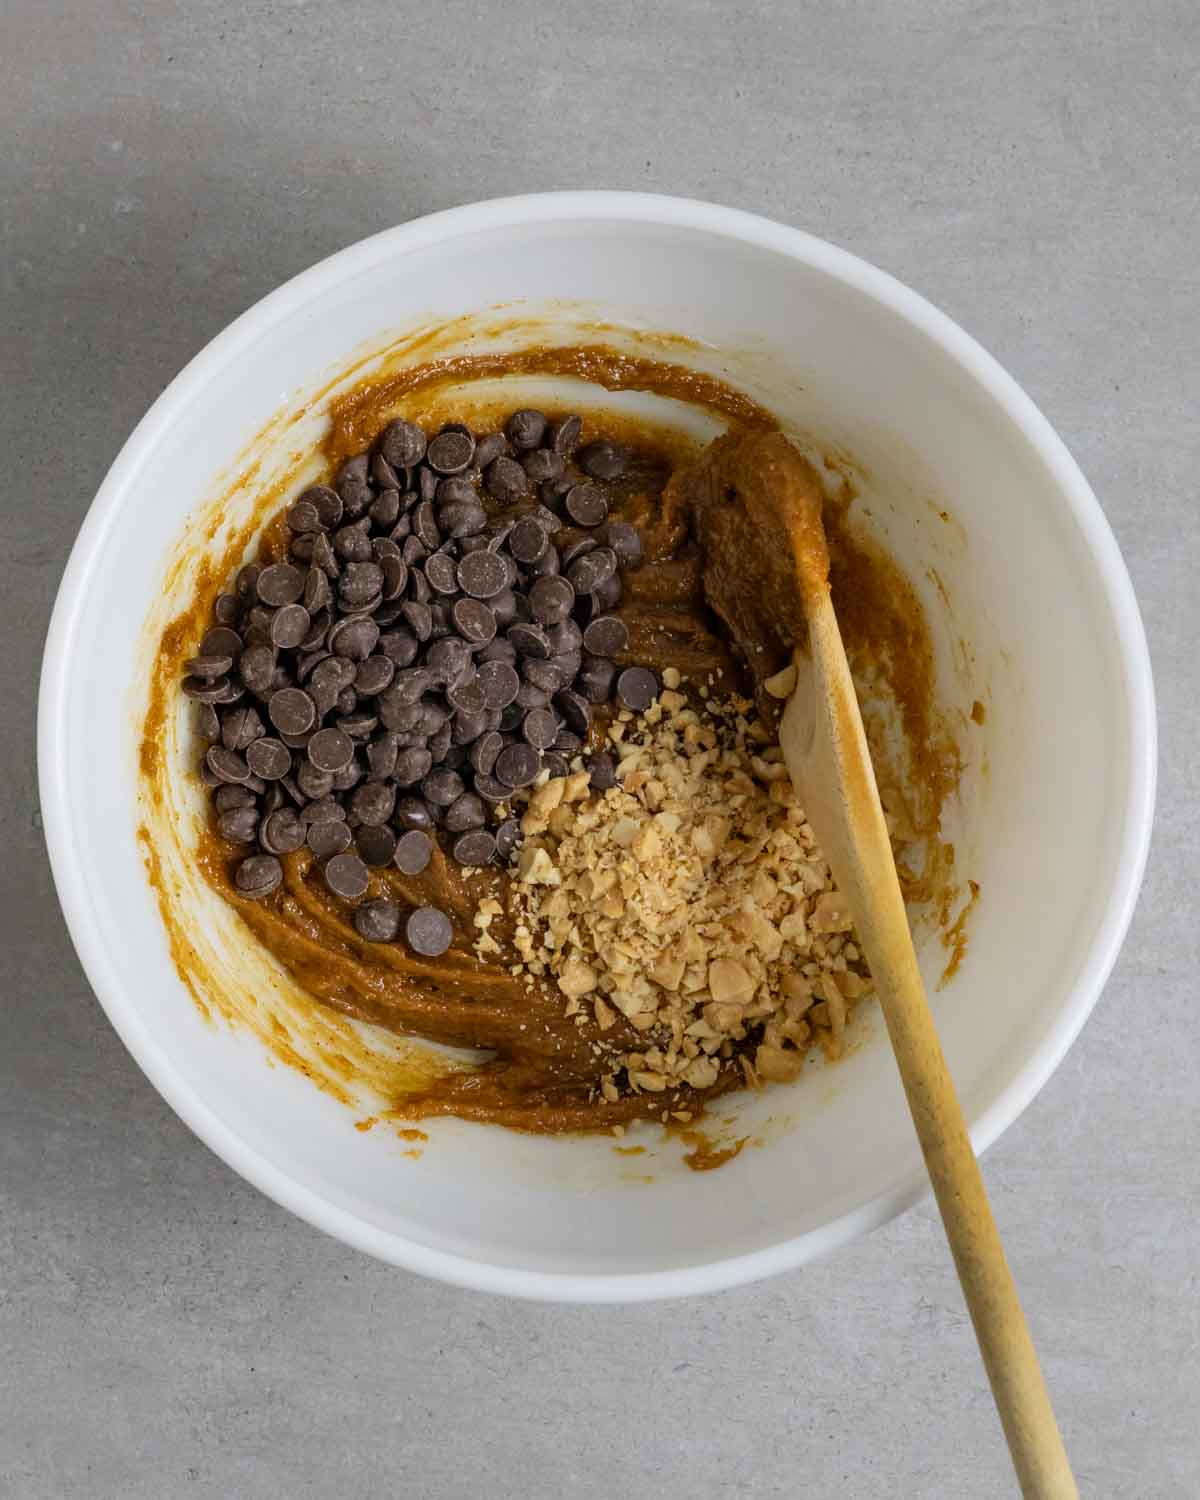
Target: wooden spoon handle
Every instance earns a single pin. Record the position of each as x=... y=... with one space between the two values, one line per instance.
x=826 y=751
x=1008 y=1354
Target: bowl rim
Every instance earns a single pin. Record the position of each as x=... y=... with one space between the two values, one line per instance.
x=664 y=211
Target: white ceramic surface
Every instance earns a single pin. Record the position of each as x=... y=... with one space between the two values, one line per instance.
x=1040 y=623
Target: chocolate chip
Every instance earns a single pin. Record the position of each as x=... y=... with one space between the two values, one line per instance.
x=206 y=724
x=602 y=770
x=591 y=570
x=577 y=548
x=485 y=750
x=281 y=583
x=258 y=876
x=551 y=600
x=625 y=542
x=377 y=921
x=418 y=618
x=317 y=593
x=565 y=639
x=292 y=711
x=427 y=483
x=399 y=646
x=499 y=650
x=247 y=578
x=428 y=931
x=586 y=505
x=568 y=742
x=482 y=575
x=595 y=679
x=543 y=465
x=343 y=781
x=282 y=832
x=328 y=837
x=530 y=640
x=528 y=541
x=346 y=876
x=240 y=727
x=462 y=522
x=467 y=727
x=323 y=556
x=442 y=573
x=351 y=478
x=491 y=790
x=425 y=527
x=385 y=509
x=374 y=676
x=256 y=667
x=373 y=803
x=412 y=812
x=376 y=844
x=526 y=428
x=508 y=836
x=228 y=796
x=637 y=688
x=564 y=436
x=606 y=635
x=311 y=782
x=451 y=452
x=529 y=696
x=442 y=787
x=395 y=577
x=517 y=765
x=504 y=607
x=227 y=765
x=603 y=460
x=412 y=765
x=576 y=711
x=402 y=444
x=381 y=757
x=354 y=638
x=464 y=813
x=361 y=580
x=324 y=809
x=540 y=728
x=227 y=609
x=468 y=695
x=447 y=660
x=490 y=446
x=505 y=480
x=473 y=620
x=475 y=848
x=289 y=626
x=384 y=474
x=358 y=726
x=239 y=825
x=209 y=667
x=268 y=758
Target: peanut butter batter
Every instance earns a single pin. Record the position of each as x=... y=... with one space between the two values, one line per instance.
x=544 y=1069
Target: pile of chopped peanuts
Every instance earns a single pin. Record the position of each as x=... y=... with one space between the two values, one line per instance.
x=691 y=899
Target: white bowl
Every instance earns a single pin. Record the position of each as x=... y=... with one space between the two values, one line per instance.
x=1057 y=797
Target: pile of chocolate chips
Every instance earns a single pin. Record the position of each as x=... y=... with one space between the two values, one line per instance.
x=440 y=636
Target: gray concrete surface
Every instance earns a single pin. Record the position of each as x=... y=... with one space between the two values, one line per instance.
x=167 y=1332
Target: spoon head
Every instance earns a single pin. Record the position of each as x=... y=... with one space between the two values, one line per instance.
x=757 y=507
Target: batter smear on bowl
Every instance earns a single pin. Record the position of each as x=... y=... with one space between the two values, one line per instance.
x=485 y=769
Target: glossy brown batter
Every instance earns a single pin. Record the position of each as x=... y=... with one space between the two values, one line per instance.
x=545 y=1067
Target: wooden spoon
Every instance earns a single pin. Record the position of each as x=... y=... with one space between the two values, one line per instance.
x=779 y=499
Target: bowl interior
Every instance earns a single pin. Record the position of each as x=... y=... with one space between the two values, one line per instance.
x=969 y=501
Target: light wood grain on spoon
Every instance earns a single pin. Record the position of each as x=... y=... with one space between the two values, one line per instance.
x=826 y=751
